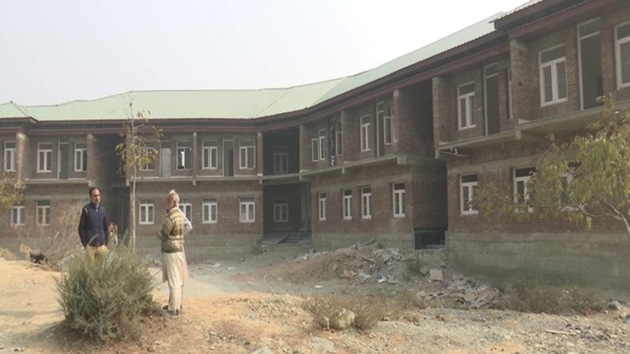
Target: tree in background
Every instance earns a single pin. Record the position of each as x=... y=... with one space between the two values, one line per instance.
x=578 y=181
x=10 y=191
x=139 y=149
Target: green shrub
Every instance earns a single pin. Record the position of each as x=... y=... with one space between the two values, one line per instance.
x=106 y=299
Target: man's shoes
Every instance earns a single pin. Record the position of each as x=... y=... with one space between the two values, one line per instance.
x=179 y=312
x=170 y=314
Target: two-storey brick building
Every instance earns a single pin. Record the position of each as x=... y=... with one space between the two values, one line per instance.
x=394 y=153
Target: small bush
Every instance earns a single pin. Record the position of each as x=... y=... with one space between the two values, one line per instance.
x=7 y=255
x=531 y=296
x=107 y=299
x=368 y=311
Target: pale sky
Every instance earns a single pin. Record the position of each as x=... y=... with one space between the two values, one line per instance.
x=55 y=51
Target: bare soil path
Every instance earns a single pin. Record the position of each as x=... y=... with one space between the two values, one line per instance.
x=255 y=306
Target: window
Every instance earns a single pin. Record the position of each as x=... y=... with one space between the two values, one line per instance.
x=387 y=126
x=521 y=193
x=398 y=195
x=280 y=159
x=365 y=133
x=321 y=210
x=186 y=207
x=210 y=210
x=468 y=186
x=553 y=76
x=209 y=155
x=280 y=210
x=43 y=212
x=314 y=149
x=338 y=141
x=622 y=54
x=466 y=105
x=247 y=155
x=9 y=156
x=366 y=203
x=17 y=215
x=184 y=156
x=247 y=210
x=80 y=157
x=44 y=157
x=147 y=211
x=151 y=152
x=347 y=204
x=321 y=138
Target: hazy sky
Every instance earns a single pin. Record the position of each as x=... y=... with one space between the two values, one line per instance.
x=58 y=51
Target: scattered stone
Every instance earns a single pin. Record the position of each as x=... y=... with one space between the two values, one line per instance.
x=436 y=275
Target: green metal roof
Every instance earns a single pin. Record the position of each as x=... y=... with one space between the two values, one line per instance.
x=237 y=104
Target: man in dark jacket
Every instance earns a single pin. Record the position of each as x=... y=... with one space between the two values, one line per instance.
x=93 y=226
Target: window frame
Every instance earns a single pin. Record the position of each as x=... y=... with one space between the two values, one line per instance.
x=364 y=133
x=80 y=157
x=388 y=136
x=466 y=101
x=18 y=215
x=9 y=156
x=398 y=200
x=366 y=202
x=183 y=151
x=280 y=159
x=208 y=205
x=185 y=205
x=524 y=180
x=281 y=211
x=321 y=206
x=209 y=155
x=146 y=211
x=554 y=76
x=42 y=214
x=467 y=187
x=346 y=197
x=247 y=210
x=44 y=157
x=619 y=60
x=247 y=155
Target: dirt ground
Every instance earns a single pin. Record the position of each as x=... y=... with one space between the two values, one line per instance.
x=254 y=305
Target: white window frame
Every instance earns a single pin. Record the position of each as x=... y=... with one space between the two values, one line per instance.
x=146 y=211
x=80 y=157
x=366 y=203
x=364 y=134
x=522 y=180
x=44 y=157
x=43 y=212
x=468 y=186
x=185 y=205
x=247 y=208
x=184 y=155
x=210 y=211
x=321 y=143
x=209 y=155
x=556 y=67
x=347 y=204
x=9 y=156
x=18 y=216
x=466 y=105
x=622 y=62
x=387 y=127
x=247 y=155
x=398 y=200
x=281 y=210
x=321 y=206
x=280 y=159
